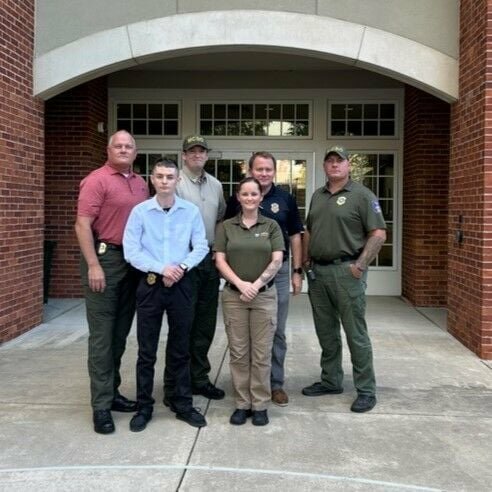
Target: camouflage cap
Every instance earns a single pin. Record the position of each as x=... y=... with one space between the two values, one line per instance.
x=336 y=149
x=193 y=140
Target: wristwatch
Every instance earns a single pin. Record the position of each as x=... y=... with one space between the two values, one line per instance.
x=297 y=270
x=184 y=267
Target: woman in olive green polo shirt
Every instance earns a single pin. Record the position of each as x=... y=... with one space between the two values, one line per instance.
x=249 y=252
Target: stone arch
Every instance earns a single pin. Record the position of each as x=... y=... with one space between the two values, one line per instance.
x=249 y=30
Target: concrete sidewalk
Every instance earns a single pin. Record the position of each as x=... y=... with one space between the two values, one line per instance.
x=431 y=430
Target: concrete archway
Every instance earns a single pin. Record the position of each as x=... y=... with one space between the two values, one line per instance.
x=309 y=35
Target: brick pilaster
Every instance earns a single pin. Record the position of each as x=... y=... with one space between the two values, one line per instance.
x=425 y=198
x=21 y=174
x=73 y=149
x=470 y=193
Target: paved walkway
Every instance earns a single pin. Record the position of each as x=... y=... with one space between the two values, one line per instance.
x=431 y=430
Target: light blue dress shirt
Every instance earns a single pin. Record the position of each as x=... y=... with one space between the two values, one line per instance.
x=154 y=239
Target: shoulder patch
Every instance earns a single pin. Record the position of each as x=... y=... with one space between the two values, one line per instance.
x=376 y=207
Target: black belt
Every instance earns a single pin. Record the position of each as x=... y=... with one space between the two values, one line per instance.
x=336 y=261
x=261 y=289
x=103 y=246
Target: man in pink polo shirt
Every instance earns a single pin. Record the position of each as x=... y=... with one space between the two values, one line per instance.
x=107 y=196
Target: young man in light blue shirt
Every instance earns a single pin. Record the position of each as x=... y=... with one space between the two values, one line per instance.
x=164 y=238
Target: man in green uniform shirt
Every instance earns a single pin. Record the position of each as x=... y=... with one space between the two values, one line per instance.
x=345 y=230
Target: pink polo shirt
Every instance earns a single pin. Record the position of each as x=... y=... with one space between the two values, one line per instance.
x=109 y=197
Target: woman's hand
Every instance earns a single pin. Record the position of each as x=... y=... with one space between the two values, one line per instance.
x=248 y=291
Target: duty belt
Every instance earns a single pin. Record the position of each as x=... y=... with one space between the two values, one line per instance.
x=103 y=246
x=261 y=289
x=336 y=261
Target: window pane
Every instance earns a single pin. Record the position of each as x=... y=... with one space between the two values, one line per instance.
x=238 y=170
x=385 y=187
x=302 y=128
x=387 y=128
x=233 y=128
x=274 y=128
x=124 y=125
x=288 y=128
x=140 y=111
x=247 y=111
x=387 y=209
x=338 y=111
x=371 y=111
x=370 y=182
x=387 y=111
x=386 y=165
x=123 y=111
x=170 y=127
x=354 y=128
x=219 y=128
x=155 y=111
x=139 y=127
x=233 y=111
x=205 y=128
x=288 y=111
x=260 y=111
x=302 y=111
x=139 y=165
x=261 y=128
x=385 y=257
x=354 y=111
x=370 y=128
x=223 y=170
x=274 y=111
x=205 y=111
x=171 y=111
x=338 y=128
x=219 y=111
x=155 y=127
x=247 y=128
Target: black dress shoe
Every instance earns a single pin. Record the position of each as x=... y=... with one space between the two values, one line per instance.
x=260 y=417
x=318 y=389
x=122 y=404
x=192 y=417
x=103 y=422
x=209 y=391
x=363 y=403
x=240 y=416
x=139 y=421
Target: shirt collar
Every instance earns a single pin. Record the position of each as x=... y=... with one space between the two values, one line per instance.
x=347 y=187
x=195 y=179
x=111 y=170
x=236 y=220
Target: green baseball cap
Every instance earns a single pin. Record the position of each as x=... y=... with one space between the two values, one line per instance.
x=336 y=149
x=193 y=140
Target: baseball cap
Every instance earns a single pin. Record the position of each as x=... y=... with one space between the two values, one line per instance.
x=193 y=140
x=336 y=149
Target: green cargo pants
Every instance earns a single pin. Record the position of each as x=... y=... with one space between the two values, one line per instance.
x=336 y=295
x=109 y=316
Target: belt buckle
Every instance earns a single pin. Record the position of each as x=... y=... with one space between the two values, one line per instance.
x=102 y=248
x=151 y=278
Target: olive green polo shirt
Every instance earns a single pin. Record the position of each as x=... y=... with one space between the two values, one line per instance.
x=339 y=223
x=248 y=251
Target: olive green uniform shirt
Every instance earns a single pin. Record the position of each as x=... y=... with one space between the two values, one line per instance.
x=339 y=223
x=248 y=251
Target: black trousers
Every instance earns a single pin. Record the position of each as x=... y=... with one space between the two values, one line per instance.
x=152 y=302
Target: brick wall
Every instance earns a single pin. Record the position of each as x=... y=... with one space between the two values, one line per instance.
x=21 y=175
x=470 y=192
x=425 y=198
x=73 y=149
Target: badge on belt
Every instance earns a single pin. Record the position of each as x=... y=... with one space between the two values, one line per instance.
x=151 y=278
x=102 y=248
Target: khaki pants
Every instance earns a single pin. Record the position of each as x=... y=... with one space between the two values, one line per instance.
x=250 y=327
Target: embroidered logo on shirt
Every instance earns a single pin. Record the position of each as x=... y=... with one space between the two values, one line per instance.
x=341 y=200
x=376 y=207
x=275 y=207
